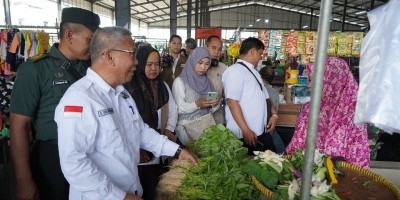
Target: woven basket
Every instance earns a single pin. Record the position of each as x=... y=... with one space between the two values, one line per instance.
x=269 y=194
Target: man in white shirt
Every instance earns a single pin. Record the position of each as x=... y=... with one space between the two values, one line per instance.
x=247 y=111
x=214 y=73
x=100 y=130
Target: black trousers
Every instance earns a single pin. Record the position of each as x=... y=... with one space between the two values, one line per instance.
x=46 y=171
x=149 y=176
x=267 y=144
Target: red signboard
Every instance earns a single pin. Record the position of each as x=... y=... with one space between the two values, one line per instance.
x=205 y=32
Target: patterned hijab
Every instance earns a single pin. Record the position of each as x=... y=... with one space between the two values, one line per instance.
x=337 y=134
x=149 y=95
x=199 y=83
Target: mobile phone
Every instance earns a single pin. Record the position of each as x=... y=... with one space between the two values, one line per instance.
x=212 y=95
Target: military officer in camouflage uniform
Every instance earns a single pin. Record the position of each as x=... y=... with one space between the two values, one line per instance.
x=39 y=86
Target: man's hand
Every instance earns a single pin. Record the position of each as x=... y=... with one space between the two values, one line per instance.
x=26 y=189
x=144 y=156
x=171 y=136
x=130 y=196
x=271 y=124
x=187 y=155
x=249 y=138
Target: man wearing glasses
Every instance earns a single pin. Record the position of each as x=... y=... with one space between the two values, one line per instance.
x=99 y=126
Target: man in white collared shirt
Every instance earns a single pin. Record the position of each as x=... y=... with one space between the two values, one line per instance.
x=100 y=130
x=247 y=111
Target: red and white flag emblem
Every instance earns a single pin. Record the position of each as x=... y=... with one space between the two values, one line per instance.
x=73 y=111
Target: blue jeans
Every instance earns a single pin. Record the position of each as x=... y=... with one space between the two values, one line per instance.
x=278 y=143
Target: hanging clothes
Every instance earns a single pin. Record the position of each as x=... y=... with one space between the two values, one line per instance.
x=17 y=49
x=3 y=48
x=43 y=45
x=28 y=44
x=34 y=43
x=10 y=57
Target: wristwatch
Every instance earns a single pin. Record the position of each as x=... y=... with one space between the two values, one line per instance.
x=178 y=151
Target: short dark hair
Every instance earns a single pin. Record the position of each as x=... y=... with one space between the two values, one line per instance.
x=190 y=43
x=174 y=36
x=265 y=75
x=212 y=37
x=65 y=26
x=250 y=43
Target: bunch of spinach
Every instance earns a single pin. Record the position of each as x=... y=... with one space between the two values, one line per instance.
x=219 y=174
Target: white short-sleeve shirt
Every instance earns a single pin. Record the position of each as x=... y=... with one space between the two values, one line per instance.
x=242 y=86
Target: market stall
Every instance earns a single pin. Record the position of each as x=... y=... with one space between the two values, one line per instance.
x=226 y=172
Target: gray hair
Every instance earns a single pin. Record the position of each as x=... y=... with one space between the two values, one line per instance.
x=106 y=38
x=191 y=43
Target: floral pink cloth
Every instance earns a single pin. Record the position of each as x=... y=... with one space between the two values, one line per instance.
x=337 y=134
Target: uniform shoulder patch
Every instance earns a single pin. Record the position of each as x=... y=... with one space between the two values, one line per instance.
x=38 y=57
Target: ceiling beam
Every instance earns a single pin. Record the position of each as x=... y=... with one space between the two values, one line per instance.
x=236 y=3
x=272 y=6
x=157 y=9
x=104 y=5
x=256 y=29
x=144 y=3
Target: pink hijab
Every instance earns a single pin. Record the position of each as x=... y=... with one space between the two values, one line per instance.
x=337 y=134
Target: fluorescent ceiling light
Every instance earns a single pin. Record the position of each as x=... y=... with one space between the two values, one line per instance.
x=251 y=25
x=305 y=26
x=363 y=27
x=361 y=12
x=258 y=20
x=266 y=20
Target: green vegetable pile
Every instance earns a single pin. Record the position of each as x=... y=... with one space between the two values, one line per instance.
x=219 y=174
x=283 y=176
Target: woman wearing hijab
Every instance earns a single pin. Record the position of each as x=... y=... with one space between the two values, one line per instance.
x=337 y=134
x=158 y=109
x=190 y=91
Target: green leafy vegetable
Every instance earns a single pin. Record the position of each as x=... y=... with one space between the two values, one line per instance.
x=219 y=174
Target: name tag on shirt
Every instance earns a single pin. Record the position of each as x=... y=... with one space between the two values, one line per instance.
x=107 y=111
x=60 y=82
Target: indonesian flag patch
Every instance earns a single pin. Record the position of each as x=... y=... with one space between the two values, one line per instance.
x=73 y=111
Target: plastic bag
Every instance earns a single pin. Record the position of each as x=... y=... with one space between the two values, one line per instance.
x=378 y=94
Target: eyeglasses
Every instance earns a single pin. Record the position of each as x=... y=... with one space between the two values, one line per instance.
x=133 y=53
